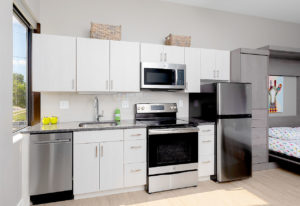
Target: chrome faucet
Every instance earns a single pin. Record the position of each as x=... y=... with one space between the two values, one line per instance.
x=96 y=105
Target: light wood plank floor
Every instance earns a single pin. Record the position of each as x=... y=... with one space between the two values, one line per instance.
x=269 y=187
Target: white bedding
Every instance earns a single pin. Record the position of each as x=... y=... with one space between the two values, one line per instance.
x=287 y=147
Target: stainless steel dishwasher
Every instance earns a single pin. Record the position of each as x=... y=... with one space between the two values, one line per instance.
x=50 y=163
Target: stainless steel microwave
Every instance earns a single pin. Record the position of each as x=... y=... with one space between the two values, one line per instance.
x=162 y=76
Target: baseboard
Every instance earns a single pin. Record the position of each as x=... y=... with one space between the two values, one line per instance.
x=264 y=166
x=110 y=192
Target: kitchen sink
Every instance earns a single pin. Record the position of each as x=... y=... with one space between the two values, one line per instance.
x=97 y=124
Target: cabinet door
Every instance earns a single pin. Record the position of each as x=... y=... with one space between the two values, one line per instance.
x=53 y=63
x=86 y=168
x=255 y=71
x=192 y=61
x=208 y=64
x=151 y=52
x=92 y=65
x=174 y=54
x=223 y=64
x=124 y=66
x=111 y=165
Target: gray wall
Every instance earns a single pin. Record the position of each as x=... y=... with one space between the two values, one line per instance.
x=152 y=20
x=290 y=69
x=289 y=98
x=10 y=170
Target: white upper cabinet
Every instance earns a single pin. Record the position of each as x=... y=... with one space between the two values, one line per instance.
x=92 y=65
x=223 y=64
x=124 y=66
x=152 y=52
x=208 y=64
x=174 y=54
x=53 y=63
x=193 y=66
x=161 y=53
x=215 y=64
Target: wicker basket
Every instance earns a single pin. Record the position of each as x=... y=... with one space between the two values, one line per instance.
x=105 y=31
x=178 y=40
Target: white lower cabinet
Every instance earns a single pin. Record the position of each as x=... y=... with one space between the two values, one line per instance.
x=206 y=165
x=206 y=150
x=104 y=161
x=111 y=165
x=86 y=168
x=135 y=151
x=135 y=174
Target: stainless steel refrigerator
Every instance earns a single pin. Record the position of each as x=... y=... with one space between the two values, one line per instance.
x=229 y=105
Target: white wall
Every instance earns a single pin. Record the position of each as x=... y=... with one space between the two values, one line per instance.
x=10 y=163
x=289 y=98
x=81 y=106
x=152 y=20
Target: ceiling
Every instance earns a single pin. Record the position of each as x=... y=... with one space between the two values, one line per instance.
x=284 y=10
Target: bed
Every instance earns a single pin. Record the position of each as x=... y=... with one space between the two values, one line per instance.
x=284 y=144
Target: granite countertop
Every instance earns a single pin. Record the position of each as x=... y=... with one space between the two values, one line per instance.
x=73 y=126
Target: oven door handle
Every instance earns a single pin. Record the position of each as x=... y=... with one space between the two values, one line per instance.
x=173 y=131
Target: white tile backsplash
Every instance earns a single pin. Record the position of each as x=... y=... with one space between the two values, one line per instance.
x=81 y=106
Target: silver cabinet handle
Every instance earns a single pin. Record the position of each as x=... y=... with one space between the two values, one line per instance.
x=111 y=84
x=206 y=141
x=73 y=83
x=161 y=56
x=136 y=135
x=205 y=162
x=138 y=170
x=106 y=84
x=135 y=147
x=96 y=151
x=165 y=56
x=102 y=152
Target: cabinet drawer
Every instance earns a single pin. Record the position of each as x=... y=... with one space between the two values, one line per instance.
x=206 y=145
x=135 y=151
x=131 y=134
x=98 y=136
x=206 y=165
x=206 y=130
x=135 y=174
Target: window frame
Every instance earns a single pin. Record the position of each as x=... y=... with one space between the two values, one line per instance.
x=17 y=13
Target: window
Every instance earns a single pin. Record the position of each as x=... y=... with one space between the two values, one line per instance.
x=20 y=73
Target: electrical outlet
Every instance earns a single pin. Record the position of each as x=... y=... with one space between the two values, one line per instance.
x=180 y=103
x=64 y=104
x=125 y=104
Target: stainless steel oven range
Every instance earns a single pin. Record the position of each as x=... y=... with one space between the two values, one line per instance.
x=172 y=147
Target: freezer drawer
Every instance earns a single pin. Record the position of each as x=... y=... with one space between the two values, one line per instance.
x=234 y=149
x=50 y=163
x=234 y=98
